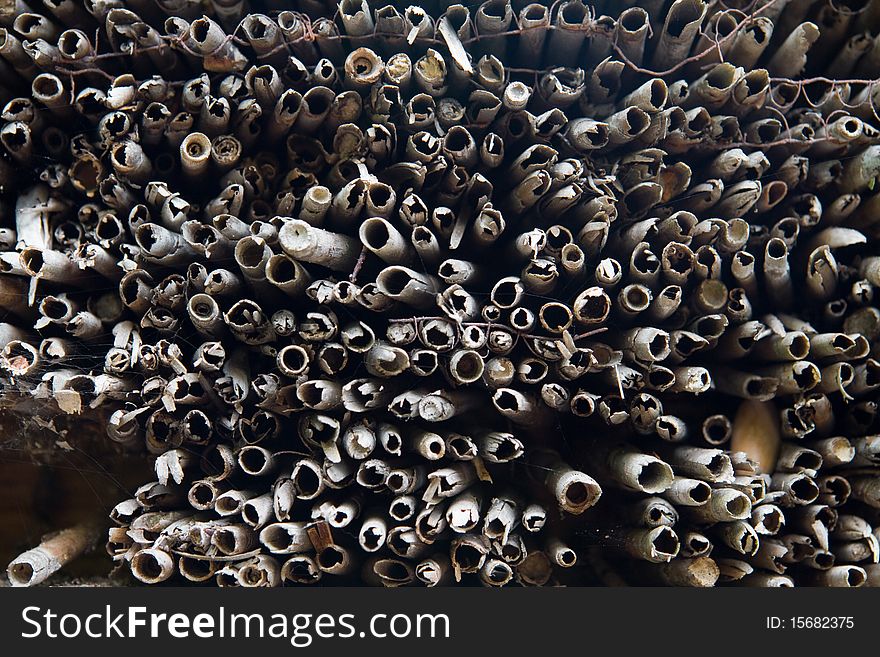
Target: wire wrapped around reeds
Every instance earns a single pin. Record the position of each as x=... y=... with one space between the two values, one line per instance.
x=502 y=293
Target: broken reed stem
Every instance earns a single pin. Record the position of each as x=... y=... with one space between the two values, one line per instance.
x=54 y=551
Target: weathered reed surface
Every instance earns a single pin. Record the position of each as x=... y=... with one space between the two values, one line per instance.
x=490 y=294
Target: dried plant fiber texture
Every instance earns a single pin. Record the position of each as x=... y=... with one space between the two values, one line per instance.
x=454 y=294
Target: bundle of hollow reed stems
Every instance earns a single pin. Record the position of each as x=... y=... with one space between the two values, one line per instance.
x=456 y=293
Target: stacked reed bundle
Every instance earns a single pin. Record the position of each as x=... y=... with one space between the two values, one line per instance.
x=492 y=294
